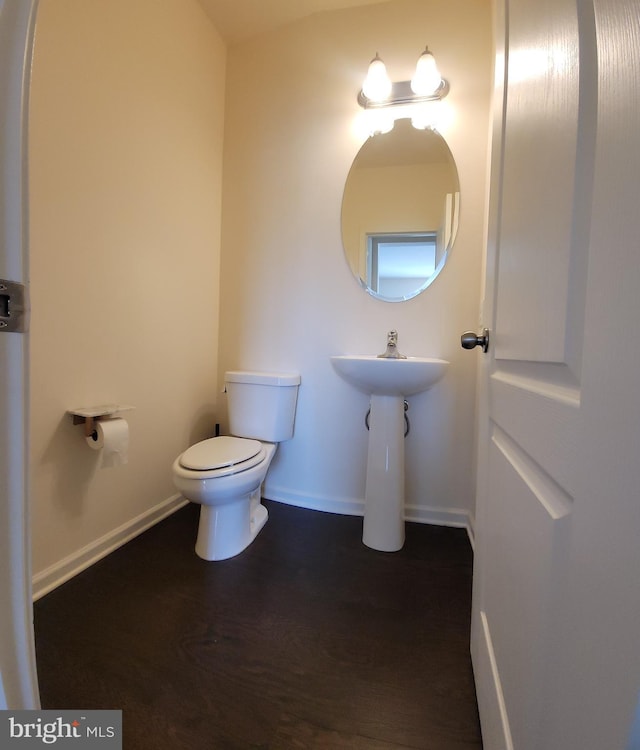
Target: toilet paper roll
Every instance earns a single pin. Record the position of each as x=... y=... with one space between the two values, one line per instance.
x=111 y=436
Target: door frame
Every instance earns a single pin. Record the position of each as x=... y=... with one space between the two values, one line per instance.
x=18 y=676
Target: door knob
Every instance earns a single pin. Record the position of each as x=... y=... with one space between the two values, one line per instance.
x=469 y=340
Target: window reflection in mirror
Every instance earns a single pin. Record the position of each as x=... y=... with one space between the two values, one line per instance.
x=398 y=264
x=402 y=190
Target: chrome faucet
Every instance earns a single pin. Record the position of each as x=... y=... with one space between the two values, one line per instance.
x=392 y=347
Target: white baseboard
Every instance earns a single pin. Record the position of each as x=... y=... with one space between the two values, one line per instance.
x=471 y=530
x=58 y=573
x=342 y=506
x=455 y=517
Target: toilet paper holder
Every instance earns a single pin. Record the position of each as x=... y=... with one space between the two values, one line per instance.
x=89 y=415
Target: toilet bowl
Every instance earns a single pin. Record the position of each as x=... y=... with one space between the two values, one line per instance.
x=228 y=489
x=224 y=475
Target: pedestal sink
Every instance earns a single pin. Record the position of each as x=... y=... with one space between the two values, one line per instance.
x=387 y=382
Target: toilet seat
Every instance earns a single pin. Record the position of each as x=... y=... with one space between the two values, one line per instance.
x=223 y=455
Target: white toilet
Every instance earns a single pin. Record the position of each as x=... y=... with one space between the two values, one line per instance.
x=225 y=474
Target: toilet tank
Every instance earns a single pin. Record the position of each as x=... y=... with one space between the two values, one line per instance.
x=262 y=405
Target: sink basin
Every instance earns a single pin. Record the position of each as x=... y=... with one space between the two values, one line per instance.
x=389 y=377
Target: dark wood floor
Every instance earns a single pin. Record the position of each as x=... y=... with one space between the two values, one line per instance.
x=307 y=640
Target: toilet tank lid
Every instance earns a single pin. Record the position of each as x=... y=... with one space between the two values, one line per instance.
x=262 y=378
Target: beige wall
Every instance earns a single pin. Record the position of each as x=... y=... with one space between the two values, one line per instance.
x=289 y=300
x=125 y=162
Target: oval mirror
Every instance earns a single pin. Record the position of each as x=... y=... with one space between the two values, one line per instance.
x=400 y=211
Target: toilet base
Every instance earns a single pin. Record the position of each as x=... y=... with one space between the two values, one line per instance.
x=224 y=531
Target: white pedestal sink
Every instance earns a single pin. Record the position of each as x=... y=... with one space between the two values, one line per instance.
x=388 y=382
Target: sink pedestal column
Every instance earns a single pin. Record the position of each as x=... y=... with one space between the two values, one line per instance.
x=383 y=527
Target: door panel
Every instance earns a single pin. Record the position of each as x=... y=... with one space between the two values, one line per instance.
x=542 y=423
x=538 y=180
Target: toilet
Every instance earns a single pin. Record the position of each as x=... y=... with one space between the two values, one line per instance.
x=225 y=474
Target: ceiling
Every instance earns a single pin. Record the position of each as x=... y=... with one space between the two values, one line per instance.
x=239 y=19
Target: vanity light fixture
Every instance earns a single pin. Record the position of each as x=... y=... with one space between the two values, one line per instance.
x=427 y=85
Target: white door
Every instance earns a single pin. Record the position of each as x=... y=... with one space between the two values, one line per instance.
x=18 y=684
x=556 y=610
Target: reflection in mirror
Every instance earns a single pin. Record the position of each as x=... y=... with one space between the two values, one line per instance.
x=398 y=263
x=400 y=211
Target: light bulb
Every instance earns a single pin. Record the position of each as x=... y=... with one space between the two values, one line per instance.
x=377 y=84
x=426 y=79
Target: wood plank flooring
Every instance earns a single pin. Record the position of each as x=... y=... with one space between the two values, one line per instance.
x=306 y=640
